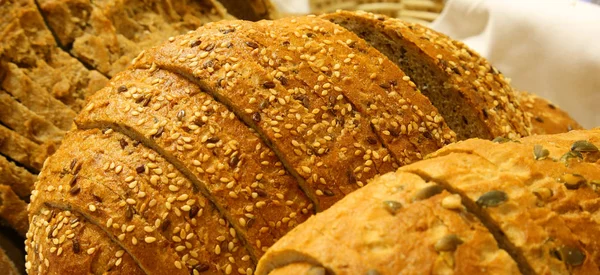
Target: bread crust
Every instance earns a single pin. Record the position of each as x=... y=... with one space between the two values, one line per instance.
x=139 y=211
x=546 y=118
x=485 y=91
x=387 y=240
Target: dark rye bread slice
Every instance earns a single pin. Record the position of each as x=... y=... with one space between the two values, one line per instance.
x=13 y=210
x=26 y=42
x=329 y=59
x=19 y=179
x=542 y=211
x=107 y=35
x=153 y=192
x=27 y=123
x=546 y=118
x=64 y=242
x=406 y=225
x=22 y=150
x=34 y=97
x=221 y=155
x=473 y=97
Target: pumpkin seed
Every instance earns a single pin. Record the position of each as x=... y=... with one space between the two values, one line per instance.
x=428 y=192
x=539 y=153
x=373 y=272
x=572 y=181
x=448 y=243
x=595 y=184
x=583 y=146
x=570 y=255
x=316 y=270
x=570 y=155
x=392 y=206
x=492 y=199
x=543 y=193
x=501 y=140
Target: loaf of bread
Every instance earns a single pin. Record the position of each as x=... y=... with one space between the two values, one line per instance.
x=217 y=143
x=55 y=54
x=471 y=95
x=526 y=206
x=546 y=118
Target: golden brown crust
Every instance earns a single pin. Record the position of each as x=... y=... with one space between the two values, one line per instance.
x=60 y=242
x=107 y=35
x=546 y=118
x=235 y=167
x=393 y=232
x=13 y=210
x=539 y=202
x=20 y=180
x=141 y=201
x=486 y=92
x=26 y=123
x=405 y=120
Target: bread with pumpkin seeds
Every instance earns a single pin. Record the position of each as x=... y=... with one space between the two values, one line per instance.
x=473 y=96
x=405 y=225
x=546 y=118
x=538 y=204
x=309 y=133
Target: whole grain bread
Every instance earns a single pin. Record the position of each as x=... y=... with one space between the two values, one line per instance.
x=13 y=210
x=546 y=118
x=473 y=96
x=106 y=35
x=220 y=142
x=19 y=179
x=538 y=207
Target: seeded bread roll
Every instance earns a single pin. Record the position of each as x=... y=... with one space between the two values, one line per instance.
x=474 y=98
x=536 y=197
x=546 y=118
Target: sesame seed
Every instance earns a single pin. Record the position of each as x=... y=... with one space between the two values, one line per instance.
x=150 y=239
x=91 y=250
x=92 y=207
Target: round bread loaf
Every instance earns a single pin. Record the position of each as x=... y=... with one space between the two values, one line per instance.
x=475 y=207
x=214 y=145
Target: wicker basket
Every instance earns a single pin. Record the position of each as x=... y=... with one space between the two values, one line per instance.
x=419 y=11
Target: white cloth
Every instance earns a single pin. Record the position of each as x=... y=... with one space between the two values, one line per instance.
x=551 y=48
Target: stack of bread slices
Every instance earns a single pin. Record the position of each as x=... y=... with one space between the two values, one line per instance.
x=217 y=143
